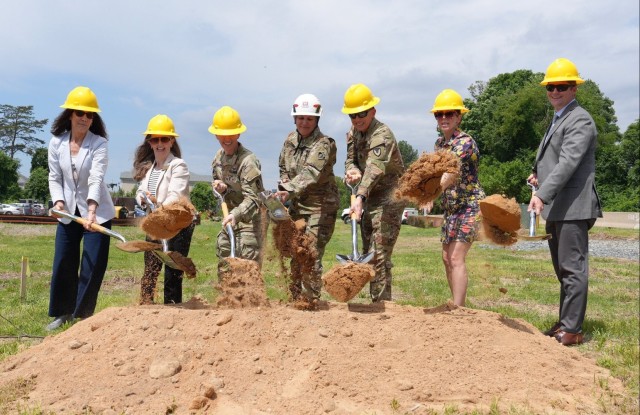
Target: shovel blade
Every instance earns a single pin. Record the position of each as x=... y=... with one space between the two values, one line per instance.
x=343 y=259
x=277 y=211
x=363 y=259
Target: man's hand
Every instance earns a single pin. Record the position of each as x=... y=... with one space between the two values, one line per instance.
x=533 y=179
x=353 y=176
x=282 y=195
x=536 y=204
x=219 y=186
x=229 y=219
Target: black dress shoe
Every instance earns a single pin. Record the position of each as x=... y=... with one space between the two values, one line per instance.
x=569 y=339
x=553 y=330
x=59 y=321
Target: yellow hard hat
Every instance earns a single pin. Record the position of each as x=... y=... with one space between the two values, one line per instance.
x=358 y=98
x=226 y=121
x=448 y=100
x=83 y=99
x=562 y=70
x=161 y=125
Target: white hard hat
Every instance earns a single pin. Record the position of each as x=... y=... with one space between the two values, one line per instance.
x=307 y=104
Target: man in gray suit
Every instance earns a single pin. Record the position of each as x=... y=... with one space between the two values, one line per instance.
x=564 y=170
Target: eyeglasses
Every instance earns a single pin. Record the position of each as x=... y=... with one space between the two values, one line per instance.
x=81 y=114
x=155 y=140
x=447 y=114
x=361 y=114
x=558 y=87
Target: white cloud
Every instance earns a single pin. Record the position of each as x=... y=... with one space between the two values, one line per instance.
x=187 y=58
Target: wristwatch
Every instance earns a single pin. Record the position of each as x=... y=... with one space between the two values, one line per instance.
x=363 y=197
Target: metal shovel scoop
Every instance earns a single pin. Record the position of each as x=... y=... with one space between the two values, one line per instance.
x=228 y=228
x=533 y=223
x=355 y=255
x=94 y=226
x=277 y=211
x=171 y=259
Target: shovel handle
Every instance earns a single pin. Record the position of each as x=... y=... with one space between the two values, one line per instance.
x=225 y=209
x=82 y=221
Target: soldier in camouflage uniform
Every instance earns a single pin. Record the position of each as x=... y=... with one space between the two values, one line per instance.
x=236 y=175
x=307 y=181
x=374 y=165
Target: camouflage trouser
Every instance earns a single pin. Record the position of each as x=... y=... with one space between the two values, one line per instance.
x=247 y=245
x=380 y=226
x=320 y=226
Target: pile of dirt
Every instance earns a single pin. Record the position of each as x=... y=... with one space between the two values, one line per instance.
x=381 y=358
x=500 y=219
x=166 y=221
x=343 y=282
x=420 y=183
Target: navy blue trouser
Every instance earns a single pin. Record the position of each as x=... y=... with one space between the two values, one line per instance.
x=74 y=292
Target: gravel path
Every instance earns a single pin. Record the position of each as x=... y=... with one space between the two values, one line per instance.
x=612 y=248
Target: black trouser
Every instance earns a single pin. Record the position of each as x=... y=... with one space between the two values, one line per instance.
x=172 y=277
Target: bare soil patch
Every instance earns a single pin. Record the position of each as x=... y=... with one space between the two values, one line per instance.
x=342 y=359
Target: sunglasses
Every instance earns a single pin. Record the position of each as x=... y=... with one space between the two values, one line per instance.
x=156 y=140
x=559 y=88
x=361 y=114
x=447 y=114
x=81 y=114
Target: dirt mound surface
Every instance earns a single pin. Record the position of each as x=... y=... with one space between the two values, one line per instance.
x=342 y=359
x=421 y=182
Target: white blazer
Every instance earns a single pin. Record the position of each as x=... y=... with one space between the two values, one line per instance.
x=173 y=183
x=91 y=166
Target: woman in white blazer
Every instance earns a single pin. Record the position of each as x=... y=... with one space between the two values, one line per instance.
x=164 y=177
x=78 y=158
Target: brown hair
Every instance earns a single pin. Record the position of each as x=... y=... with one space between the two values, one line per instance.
x=62 y=124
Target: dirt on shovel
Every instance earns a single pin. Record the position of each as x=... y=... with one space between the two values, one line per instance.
x=343 y=282
x=166 y=221
x=138 y=246
x=500 y=219
x=421 y=182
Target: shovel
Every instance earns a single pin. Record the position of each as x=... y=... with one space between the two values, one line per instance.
x=171 y=259
x=94 y=226
x=277 y=211
x=228 y=228
x=533 y=223
x=355 y=255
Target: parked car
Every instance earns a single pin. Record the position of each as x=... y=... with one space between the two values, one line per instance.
x=408 y=212
x=346 y=215
x=25 y=208
x=10 y=210
x=38 y=209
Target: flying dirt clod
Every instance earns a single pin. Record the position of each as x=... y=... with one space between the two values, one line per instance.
x=421 y=182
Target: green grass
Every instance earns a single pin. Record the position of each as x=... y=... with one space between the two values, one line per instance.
x=612 y=321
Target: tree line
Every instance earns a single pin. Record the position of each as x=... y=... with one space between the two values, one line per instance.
x=509 y=115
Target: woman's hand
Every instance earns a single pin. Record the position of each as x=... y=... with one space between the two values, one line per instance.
x=352 y=176
x=447 y=180
x=229 y=219
x=219 y=186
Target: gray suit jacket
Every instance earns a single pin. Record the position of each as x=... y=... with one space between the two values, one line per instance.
x=566 y=167
x=91 y=166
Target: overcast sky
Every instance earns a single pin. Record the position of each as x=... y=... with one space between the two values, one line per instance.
x=188 y=58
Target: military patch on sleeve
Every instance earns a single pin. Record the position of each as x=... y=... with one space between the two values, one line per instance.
x=377 y=151
x=321 y=156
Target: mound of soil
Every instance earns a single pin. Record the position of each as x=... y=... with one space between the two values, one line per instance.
x=420 y=183
x=241 y=285
x=343 y=359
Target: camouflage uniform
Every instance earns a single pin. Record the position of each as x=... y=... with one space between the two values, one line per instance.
x=377 y=156
x=306 y=172
x=241 y=173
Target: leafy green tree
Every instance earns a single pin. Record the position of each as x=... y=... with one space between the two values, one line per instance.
x=345 y=194
x=18 y=129
x=40 y=158
x=9 y=189
x=202 y=197
x=409 y=154
x=37 y=187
